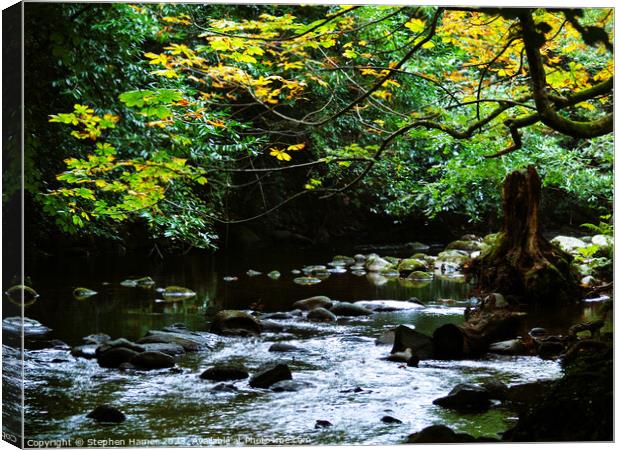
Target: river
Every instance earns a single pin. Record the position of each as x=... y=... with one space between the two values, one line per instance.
x=349 y=382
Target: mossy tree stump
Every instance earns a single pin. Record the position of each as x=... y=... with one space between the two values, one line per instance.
x=522 y=262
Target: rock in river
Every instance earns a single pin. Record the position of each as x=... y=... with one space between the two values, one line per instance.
x=106 y=413
x=466 y=398
x=190 y=342
x=225 y=372
x=168 y=349
x=319 y=301
x=349 y=309
x=235 y=323
x=420 y=344
x=284 y=347
x=98 y=338
x=441 y=434
x=388 y=305
x=30 y=327
x=269 y=374
x=117 y=343
x=390 y=419
x=152 y=360
x=114 y=357
x=509 y=347
x=321 y=315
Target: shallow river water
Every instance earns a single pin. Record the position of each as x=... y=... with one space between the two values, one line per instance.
x=175 y=407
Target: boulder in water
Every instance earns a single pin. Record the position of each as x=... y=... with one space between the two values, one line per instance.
x=388 y=305
x=167 y=348
x=225 y=372
x=419 y=275
x=322 y=424
x=107 y=413
x=152 y=360
x=420 y=344
x=284 y=347
x=269 y=374
x=390 y=419
x=349 y=309
x=98 y=338
x=114 y=357
x=235 y=323
x=85 y=351
x=321 y=315
x=319 y=301
x=509 y=347
x=466 y=398
x=409 y=265
x=188 y=342
x=374 y=263
x=439 y=434
x=120 y=342
x=30 y=327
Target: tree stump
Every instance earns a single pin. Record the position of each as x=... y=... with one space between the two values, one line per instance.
x=523 y=263
x=473 y=338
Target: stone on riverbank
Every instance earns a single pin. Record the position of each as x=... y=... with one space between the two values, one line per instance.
x=441 y=434
x=466 y=398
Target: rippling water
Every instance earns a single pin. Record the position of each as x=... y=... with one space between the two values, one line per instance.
x=172 y=407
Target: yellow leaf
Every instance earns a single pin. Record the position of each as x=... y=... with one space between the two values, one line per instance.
x=280 y=154
x=415 y=25
x=296 y=147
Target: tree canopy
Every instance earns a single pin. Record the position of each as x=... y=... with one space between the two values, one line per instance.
x=172 y=112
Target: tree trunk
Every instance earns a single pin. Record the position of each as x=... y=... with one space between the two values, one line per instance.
x=522 y=262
